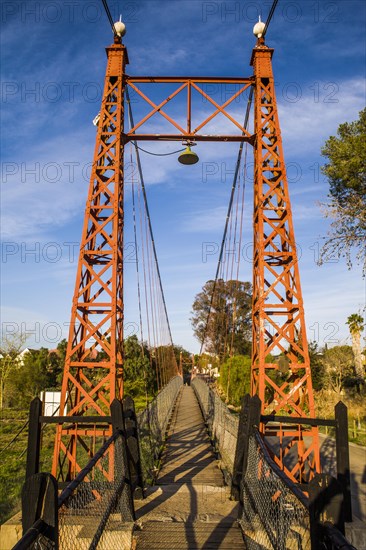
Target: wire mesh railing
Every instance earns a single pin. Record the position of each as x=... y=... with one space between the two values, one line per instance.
x=222 y=423
x=91 y=512
x=152 y=424
x=94 y=507
x=275 y=512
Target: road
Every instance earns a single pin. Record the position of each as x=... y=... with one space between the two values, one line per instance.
x=329 y=465
x=358 y=471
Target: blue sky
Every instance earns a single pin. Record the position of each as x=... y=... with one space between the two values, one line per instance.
x=53 y=65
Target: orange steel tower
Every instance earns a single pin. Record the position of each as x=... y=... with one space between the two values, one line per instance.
x=283 y=383
x=89 y=386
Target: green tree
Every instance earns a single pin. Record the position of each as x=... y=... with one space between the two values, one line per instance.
x=235 y=378
x=184 y=356
x=338 y=363
x=229 y=323
x=318 y=370
x=56 y=364
x=346 y=173
x=10 y=348
x=34 y=376
x=138 y=374
x=204 y=360
x=356 y=325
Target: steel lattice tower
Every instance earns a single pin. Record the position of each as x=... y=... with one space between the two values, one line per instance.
x=88 y=386
x=284 y=385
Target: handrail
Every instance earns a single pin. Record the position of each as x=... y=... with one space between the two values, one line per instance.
x=84 y=472
x=298 y=420
x=39 y=527
x=257 y=490
x=221 y=422
x=111 y=507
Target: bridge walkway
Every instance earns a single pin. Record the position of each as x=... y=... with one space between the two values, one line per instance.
x=189 y=508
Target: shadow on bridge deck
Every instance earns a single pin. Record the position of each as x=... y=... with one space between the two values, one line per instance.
x=189 y=507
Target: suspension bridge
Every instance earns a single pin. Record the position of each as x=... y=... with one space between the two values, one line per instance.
x=185 y=472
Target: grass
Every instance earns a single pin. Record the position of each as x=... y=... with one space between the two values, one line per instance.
x=13 y=459
x=12 y=471
x=325 y=401
x=140 y=402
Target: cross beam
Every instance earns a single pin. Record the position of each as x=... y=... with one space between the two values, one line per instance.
x=188 y=131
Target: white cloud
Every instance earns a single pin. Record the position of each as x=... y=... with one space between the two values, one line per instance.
x=40 y=329
x=203 y=221
x=331 y=293
x=44 y=192
x=305 y=212
x=306 y=124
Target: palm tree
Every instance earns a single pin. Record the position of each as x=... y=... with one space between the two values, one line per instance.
x=356 y=325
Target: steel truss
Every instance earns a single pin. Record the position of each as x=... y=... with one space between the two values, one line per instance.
x=89 y=386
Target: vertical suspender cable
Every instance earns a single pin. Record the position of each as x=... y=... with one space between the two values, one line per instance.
x=237 y=168
x=148 y=215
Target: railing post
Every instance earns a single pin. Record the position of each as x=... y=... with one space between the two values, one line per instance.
x=325 y=504
x=121 y=462
x=253 y=417
x=133 y=446
x=34 y=438
x=40 y=501
x=314 y=492
x=342 y=452
x=117 y=416
x=239 y=450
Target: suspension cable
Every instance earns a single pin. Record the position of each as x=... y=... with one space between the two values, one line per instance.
x=270 y=15
x=232 y=296
x=144 y=262
x=138 y=285
x=137 y=259
x=110 y=18
x=240 y=242
x=237 y=169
